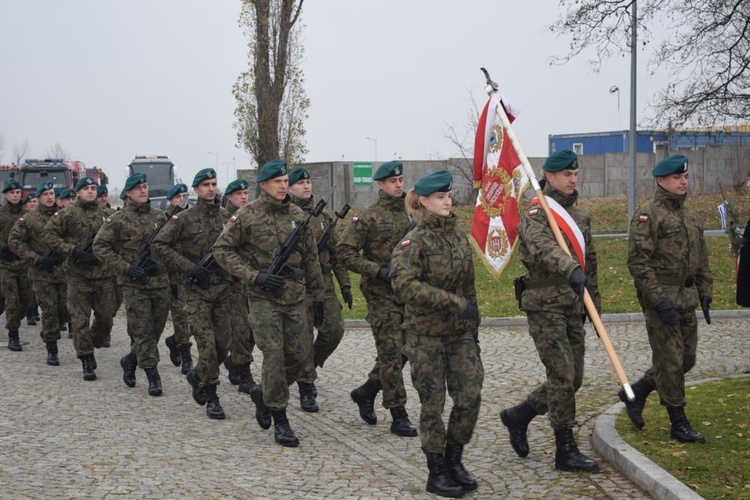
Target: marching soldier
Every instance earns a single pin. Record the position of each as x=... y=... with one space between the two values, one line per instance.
x=66 y=199
x=45 y=268
x=668 y=259
x=145 y=283
x=102 y=196
x=278 y=310
x=552 y=300
x=365 y=248
x=30 y=204
x=184 y=245
x=71 y=232
x=331 y=331
x=14 y=274
x=432 y=273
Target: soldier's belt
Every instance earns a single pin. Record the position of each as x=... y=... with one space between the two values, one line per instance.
x=545 y=282
x=672 y=281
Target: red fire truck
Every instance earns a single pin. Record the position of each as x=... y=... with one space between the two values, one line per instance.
x=61 y=173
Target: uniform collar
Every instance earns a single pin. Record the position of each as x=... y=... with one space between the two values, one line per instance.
x=440 y=223
x=273 y=205
x=669 y=199
x=391 y=202
x=563 y=199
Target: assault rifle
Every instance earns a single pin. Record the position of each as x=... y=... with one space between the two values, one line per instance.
x=323 y=240
x=279 y=267
x=208 y=262
x=88 y=248
x=144 y=260
x=52 y=258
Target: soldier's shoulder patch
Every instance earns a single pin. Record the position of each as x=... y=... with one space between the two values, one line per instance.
x=643 y=218
x=175 y=217
x=533 y=211
x=405 y=243
x=108 y=220
x=355 y=219
x=20 y=219
x=55 y=214
x=233 y=218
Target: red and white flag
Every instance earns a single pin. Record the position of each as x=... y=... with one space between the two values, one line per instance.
x=501 y=180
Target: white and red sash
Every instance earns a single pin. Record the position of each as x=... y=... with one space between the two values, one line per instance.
x=569 y=227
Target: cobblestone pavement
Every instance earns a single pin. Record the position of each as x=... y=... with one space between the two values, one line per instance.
x=62 y=437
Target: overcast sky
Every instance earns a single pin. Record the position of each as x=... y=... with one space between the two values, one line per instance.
x=110 y=80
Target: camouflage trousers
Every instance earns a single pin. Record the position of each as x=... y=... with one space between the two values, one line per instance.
x=385 y=318
x=560 y=342
x=51 y=298
x=210 y=327
x=85 y=295
x=673 y=353
x=437 y=362
x=282 y=335
x=17 y=290
x=146 y=310
x=118 y=294
x=243 y=342
x=329 y=335
x=179 y=318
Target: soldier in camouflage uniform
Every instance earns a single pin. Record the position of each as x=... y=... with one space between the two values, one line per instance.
x=183 y=243
x=331 y=331
x=178 y=343
x=432 y=273
x=102 y=197
x=668 y=259
x=14 y=274
x=365 y=248
x=552 y=300
x=30 y=204
x=45 y=269
x=145 y=284
x=243 y=342
x=70 y=232
x=277 y=306
x=66 y=199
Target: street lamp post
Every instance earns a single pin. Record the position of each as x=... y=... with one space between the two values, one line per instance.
x=615 y=89
x=216 y=162
x=376 y=146
x=226 y=164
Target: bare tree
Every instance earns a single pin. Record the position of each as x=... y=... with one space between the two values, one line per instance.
x=20 y=151
x=706 y=52
x=461 y=139
x=57 y=151
x=271 y=101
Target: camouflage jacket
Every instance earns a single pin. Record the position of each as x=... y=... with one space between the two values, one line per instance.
x=108 y=210
x=122 y=237
x=432 y=273
x=71 y=228
x=252 y=240
x=327 y=256
x=187 y=238
x=666 y=246
x=9 y=215
x=368 y=241
x=26 y=241
x=548 y=265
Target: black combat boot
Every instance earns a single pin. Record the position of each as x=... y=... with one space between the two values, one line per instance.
x=154 y=381
x=567 y=456
x=35 y=312
x=52 y=358
x=246 y=379
x=401 y=426
x=306 y=398
x=262 y=413
x=364 y=396
x=234 y=374
x=88 y=367
x=93 y=360
x=174 y=352
x=681 y=428
x=213 y=406
x=439 y=481
x=64 y=327
x=282 y=432
x=187 y=359
x=641 y=389
x=129 y=363
x=453 y=454
x=517 y=419
x=70 y=330
x=199 y=394
x=30 y=318
x=107 y=341
x=14 y=344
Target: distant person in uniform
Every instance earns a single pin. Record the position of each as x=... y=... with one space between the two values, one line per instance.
x=66 y=199
x=743 y=264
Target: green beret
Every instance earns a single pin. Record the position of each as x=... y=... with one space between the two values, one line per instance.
x=206 y=173
x=46 y=186
x=86 y=181
x=12 y=185
x=57 y=192
x=30 y=196
x=564 y=159
x=101 y=189
x=131 y=182
x=435 y=182
x=297 y=175
x=67 y=193
x=675 y=164
x=271 y=170
x=388 y=169
x=237 y=185
x=176 y=189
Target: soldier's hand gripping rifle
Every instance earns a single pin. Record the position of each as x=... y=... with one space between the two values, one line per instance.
x=50 y=259
x=323 y=240
x=144 y=261
x=201 y=273
x=279 y=267
x=84 y=256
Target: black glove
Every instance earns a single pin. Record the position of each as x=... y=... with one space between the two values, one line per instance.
x=384 y=273
x=173 y=290
x=7 y=254
x=577 y=281
x=346 y=292
x=318 y=310
x=668 y=312
x=471 y=312
x=45 y=263
x=201 y=277
x=135 y=273
x=83 y=258
x=269 y=281
x=706 y=306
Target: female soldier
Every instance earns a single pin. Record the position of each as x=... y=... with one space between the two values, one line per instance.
x=433 y=275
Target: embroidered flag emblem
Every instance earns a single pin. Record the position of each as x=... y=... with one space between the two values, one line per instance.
x=643 y=218
x=405 y=243
x=533 y=211
x=233 y=218
x=355 y=219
